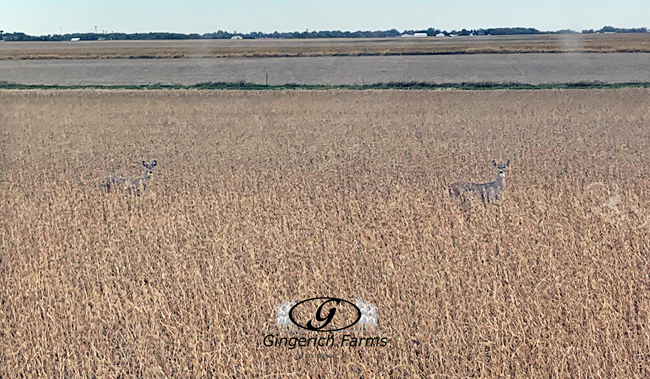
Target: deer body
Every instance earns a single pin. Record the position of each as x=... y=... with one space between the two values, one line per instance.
x=488 y=192
x=137 y=184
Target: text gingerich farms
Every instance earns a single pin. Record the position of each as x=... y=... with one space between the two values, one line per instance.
x=272 y=340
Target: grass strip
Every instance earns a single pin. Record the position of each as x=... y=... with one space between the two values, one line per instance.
x=243 y=85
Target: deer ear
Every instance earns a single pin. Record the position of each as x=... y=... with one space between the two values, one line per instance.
x=144 y=163
x=494 y=163
x=508 y=163
x=154 y=163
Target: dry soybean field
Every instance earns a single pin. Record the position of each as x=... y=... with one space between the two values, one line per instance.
x=263 y=197
x=326 y=47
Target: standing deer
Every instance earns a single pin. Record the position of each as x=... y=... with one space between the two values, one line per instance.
x=132 y=184
x=489 y=192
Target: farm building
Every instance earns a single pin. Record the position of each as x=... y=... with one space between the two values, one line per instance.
x=419 y=35
x=236 y=37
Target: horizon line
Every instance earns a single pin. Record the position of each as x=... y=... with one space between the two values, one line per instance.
x=105 y=32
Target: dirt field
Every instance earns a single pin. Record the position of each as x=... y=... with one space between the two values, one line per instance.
x=260 y=197
x=522 y=68
x=595 y=43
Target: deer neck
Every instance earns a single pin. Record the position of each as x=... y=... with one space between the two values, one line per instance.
x=501 y=180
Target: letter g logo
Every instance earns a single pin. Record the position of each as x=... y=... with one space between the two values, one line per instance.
x=326 y=319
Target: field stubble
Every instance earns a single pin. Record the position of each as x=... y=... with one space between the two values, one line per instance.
x=545 y=43
x=260 y=197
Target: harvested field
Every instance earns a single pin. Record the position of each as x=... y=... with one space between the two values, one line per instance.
x=260 y=197
x=521 y=68
x=594 y=43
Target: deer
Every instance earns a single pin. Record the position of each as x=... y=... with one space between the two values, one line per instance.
x=489 y=192
x=132 y=184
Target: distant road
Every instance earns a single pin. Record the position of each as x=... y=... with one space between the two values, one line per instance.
x=525 y=68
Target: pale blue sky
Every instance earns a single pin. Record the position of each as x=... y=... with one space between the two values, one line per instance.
x=37 y=17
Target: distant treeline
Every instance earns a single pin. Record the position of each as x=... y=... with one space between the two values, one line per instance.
x=306 y=34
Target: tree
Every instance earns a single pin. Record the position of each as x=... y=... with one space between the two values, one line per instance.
x=431 y=32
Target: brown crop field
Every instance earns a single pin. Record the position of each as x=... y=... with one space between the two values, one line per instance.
x=496 y=68
x=547 y=43
x=263 y=197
